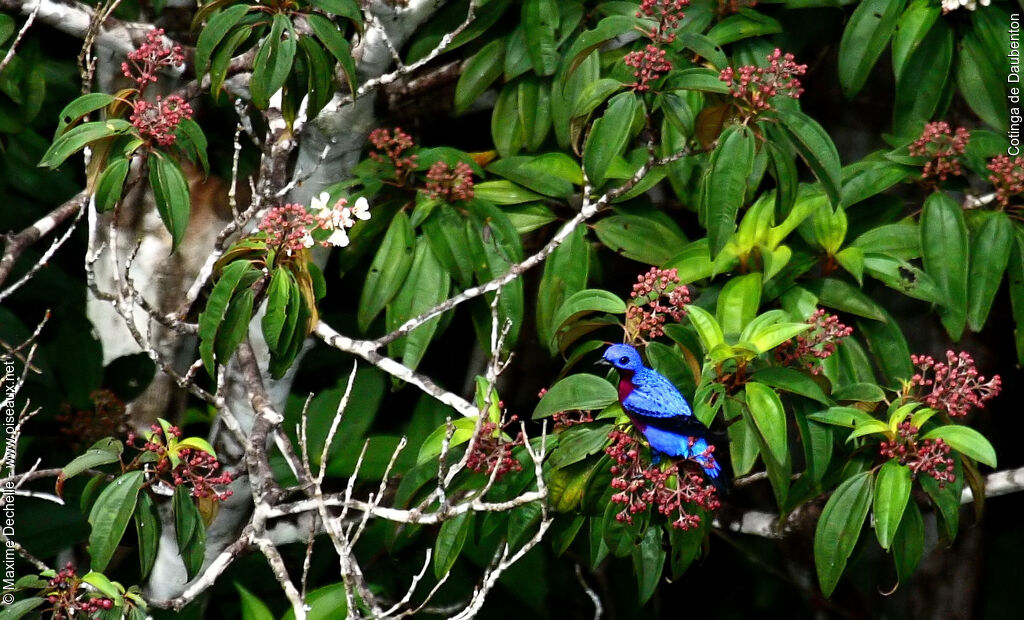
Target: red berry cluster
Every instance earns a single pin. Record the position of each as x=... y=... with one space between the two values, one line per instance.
x=492 y=451
x=954 y=386
x=68 y=601
x=814 y=345
x=288 y=227
x=145 y=62
x=568 y=419
x=671 y=491
x=1007 y=177
x=392 y=147
x=107 y=418
x=755 y=86
x=196 y=469
x=158 y=121
x=728 y=7
x=651 y=62
x=448 y=184
x=943 y=147
x=928 y=456
x=647 y=312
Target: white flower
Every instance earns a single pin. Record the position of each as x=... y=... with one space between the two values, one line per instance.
x=970 y=5
x=338 y=238
x=307 y=240
x=361 y=209
x=320 y=203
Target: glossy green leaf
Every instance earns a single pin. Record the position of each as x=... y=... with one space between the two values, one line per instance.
x=892 y=491
x=108 y=452
x=278 y=294
x=922 y=81
x=580 y=391
x=791 y=380
x=534 y=110
x=337 y=45
x=585 y=302
x=589 y=40
x=388 y=271
x=816 y=148
x=708 y=330
x=743 y=445
x=235 y=325
x=640 y=238
x=189 y=531
x=215 y=30
x=450 y=540
x=726 y=185
x=222 y=57
x=944 y=251
x=842 y=296
x=914 y=25
x=839 y=528
x=502 y=192
x=991 y=245
x=461 y=431
x=273 y=62
x=769 y=417
x=147 y=529
x=326 y=603
x=506 y=127
x=540 y=19
x=744 y=24
x=982 y=83
x=864 y=39
x=479 y=73
x=608 y=136
x=908 y=544
x=81 y=106
x=426 y=286
x=565 y=273
x=648 y=560
x=110 y=515
x=738 y=302
x=78 y=137
x=170 y=191
x=253 y=607
x=349 y=9
x=697 y=78
x=966 y=441
x=212 y=316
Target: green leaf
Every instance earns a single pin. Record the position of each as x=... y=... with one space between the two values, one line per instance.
x=426 y=286
x=648 y=561
x=450 y=539
x=1015 y=275
x=640 y=238
x=93 y=457
x=923 y=79
x=982 y=83
x=478 y=73
x=791 y=380
x=892 y=491
x=147 y=528
x=104 y=586
x=388 y=271
x=593 y=95
x=578 y=442
x=738 y=302
x=726 y=185
x=581 y=391
x=517 y=55
x=966 y=441
x=843 y=416
x=273 y=61
x=865 y=179
x=222 y=58
x=914 y=25
x=608 y=136
x=81 y=106
x=189 y=531
x=744 y=24
x=235 y=325
x=79 y=137
x=216 y=308
x=111 y=183
x=743 y=445
x=109 y=517
x=253 y=607
x=860 y=392
x=326 y=603
x=815 y=147
x=992 y=244
x=214 y=32
x=908 y=544
x=462 y=430
x=944 y=251
x=349 y=9
x=540 y=19
x=708 y=330
x=18 y=609
x=278 y=294
x=771 y=336
x=506 y=126
x=502 y=192
x=769 y=417
x=839 y=528
x=337 y=45
x=170 y=191
x=697 y=78
x=864 y=39
x=584 y=302
x=842 y=296
x=589 y=40
x=534 y=97
x=565 y=273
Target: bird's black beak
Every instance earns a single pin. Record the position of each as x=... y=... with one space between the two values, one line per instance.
x=602 y=362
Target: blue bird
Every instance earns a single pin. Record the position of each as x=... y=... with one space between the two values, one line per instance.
x=659 y=411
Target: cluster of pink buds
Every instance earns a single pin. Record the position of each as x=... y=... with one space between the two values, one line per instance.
x=943 y=147
x=107 y=418
x=656 y=295
x=1007 y=177
x=196 y=470
x=292 y=228
x=728 y=7
x=158 y=121
x=288 y=227
x=671 y=491
x=755 y=86
x=145 y=62
x=391 y=147
x=815 y=344
x=953 y=386
x=68 y=601
x=927 y=456
x=492 y=451
x=651 y=62
x=448 y=184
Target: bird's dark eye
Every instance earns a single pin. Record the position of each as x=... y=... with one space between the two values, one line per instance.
x=623 y=360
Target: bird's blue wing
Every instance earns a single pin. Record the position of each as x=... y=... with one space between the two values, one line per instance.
x=654 y=396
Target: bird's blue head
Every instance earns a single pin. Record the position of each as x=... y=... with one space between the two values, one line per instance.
x=623 y=357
